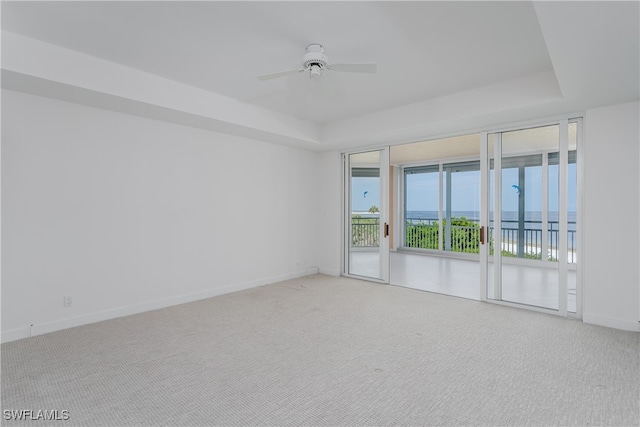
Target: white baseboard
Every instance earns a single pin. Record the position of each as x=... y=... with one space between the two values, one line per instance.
x=328 y=272
x=625 y=325
x=16 y=334
x=57 y=325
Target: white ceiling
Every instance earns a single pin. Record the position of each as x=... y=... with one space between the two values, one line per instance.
x=451 y=56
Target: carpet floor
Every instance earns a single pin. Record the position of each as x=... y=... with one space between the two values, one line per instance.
x=327 y=351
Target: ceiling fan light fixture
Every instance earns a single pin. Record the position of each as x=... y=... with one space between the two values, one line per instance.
x=315 y=71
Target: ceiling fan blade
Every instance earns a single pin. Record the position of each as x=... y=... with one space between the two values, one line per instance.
x=280 y=74
x=354 y=68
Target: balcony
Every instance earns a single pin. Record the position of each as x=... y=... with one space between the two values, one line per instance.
x=464 y=236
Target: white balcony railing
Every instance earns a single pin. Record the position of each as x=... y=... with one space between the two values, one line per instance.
x=464 y=236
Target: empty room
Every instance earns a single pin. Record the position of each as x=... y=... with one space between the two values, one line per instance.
x=260 y=213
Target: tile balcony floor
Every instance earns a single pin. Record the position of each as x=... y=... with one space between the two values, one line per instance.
x=536 y=286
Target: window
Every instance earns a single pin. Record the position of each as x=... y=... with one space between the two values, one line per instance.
x=442 y=210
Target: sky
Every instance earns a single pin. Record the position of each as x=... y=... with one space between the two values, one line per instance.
x=365 y=192
x=422 y=191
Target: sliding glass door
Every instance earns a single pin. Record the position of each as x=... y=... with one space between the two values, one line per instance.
x=532 y=216
x=367 y=214
x=491 y=216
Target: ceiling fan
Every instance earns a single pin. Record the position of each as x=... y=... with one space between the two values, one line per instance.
x=315 y=62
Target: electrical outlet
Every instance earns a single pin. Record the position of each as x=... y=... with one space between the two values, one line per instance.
x=68 y=301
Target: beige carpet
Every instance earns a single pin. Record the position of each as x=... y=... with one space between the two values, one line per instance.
x=328 y=351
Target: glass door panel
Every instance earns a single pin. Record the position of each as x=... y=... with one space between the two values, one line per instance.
x=462 y=207
x=421 y=207
x=459 y=219
x=525 y=233
x=367 y=226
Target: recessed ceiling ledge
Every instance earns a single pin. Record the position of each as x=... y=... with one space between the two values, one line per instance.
x=62 y=69
x=410 y=121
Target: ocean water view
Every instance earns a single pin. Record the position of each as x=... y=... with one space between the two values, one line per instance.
x=506 y=215
x=533 y=220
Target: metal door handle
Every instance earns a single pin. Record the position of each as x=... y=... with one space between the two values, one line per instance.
x=482 y=235
x=386 y=229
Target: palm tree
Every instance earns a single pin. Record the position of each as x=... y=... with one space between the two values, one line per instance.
x=373 y=209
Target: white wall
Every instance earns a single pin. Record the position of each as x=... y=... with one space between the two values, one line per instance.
x=126 y=214
x=611 y=216
x=329 y=243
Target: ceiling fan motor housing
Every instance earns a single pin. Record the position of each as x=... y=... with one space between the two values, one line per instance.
x=315 y=56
